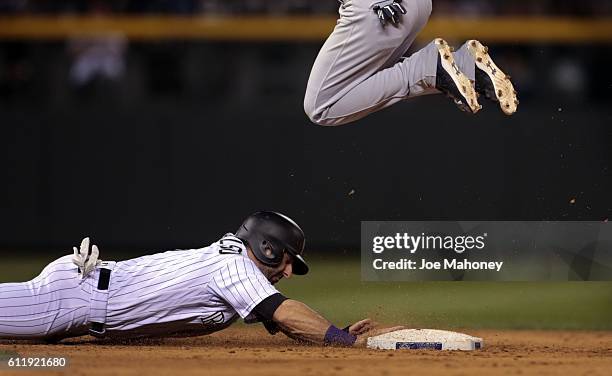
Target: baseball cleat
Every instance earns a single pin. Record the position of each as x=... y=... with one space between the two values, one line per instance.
x=452 y=82
x=491 y=81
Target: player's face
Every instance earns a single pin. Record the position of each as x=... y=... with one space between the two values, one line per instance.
x=284 y=270
x=276 y=273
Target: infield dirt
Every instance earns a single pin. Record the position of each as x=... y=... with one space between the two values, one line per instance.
x=251 y=351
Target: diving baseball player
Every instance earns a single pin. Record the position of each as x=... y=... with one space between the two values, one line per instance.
x=361 y=69
x=175 y=293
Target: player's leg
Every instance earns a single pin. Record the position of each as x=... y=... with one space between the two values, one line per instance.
x=361 y=50
x=475 y=62
x=53 y=305
x=431 y=70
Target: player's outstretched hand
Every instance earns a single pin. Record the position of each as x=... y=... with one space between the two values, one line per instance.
x=362 y=339
x=361 y=327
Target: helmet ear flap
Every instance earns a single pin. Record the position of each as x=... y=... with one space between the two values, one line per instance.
x=266 y=249
x=271 y=252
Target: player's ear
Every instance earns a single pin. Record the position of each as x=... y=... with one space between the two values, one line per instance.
x=288 y=271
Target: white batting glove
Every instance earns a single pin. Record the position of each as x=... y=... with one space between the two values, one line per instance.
x=86 y=258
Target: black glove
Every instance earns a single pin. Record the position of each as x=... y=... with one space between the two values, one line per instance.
x=389 y=11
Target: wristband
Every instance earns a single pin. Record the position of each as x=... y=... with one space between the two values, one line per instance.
x=338 y=337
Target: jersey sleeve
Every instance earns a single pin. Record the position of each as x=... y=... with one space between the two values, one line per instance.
x=241 y=285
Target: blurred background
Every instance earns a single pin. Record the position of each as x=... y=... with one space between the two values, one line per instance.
x=152 y=125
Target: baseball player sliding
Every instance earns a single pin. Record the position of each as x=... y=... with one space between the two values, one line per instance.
x=361 y=69
x=175 y=293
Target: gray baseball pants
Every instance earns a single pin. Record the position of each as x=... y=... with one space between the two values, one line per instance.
x=361 y=69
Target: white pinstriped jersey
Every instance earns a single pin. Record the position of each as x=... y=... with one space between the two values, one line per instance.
x=185 y=292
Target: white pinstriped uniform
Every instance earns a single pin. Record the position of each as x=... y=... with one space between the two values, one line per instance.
x=175 y=293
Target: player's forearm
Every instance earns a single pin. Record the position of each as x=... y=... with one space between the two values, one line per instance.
x=300 y=322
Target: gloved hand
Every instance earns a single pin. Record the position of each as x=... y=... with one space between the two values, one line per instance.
x=86 y=258
x=389 y=11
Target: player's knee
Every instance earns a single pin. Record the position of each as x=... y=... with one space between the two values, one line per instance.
x=314 y=114
x=319 y=115
x=322 y=112
x=317 y=118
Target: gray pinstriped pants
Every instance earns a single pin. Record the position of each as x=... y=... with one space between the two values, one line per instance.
x=360 y=68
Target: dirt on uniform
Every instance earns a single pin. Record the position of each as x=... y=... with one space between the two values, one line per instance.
x=251 y=351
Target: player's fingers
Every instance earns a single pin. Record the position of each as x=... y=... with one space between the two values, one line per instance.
x=394 y=14
x=366 y=327
x=76 y=257
x=399 y=8
x=85 y=246
x=390 y=14
x=366 y=320
x=360 y=327
x=381 y=16
x=363 y=337
x=95 y=252
x=367 y=323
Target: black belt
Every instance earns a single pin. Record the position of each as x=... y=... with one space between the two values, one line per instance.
x=103 y=282
x=104 y=279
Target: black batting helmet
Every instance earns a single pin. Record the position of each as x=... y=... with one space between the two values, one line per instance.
x=270 y=235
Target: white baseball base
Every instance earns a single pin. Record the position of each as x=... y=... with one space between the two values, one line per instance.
x=432 y=339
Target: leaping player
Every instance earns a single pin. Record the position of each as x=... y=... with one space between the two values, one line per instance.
x=361 y=69
x=175 y=293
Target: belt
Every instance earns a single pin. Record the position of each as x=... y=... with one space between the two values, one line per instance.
x=99 y=299
x=104 y=279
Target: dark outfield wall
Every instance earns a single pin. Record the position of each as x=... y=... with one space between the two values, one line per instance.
x=176 y=162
